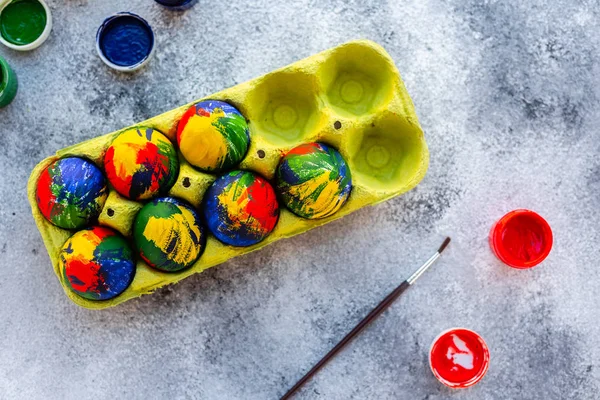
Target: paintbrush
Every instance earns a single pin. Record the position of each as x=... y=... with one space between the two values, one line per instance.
x=385 y=303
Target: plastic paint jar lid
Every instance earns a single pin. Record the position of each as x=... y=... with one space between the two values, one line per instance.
x=21 y=23
x=8 y=83
x=125 y=41
x=521 y=239
x=459 y=358
x=177 y=5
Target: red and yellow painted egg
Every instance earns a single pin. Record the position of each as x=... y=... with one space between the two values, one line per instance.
x=141 y=163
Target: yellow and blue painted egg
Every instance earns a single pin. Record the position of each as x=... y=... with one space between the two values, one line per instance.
x=168 y=234
x=97 y=263
x=241 y=208
x=313 y=180
x=213 y=136
x=141 y=163
x=71 y=192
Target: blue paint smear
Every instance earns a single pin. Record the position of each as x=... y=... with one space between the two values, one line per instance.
x=81 y=180
x=117 y=270
x=149 y=134
x=141 y=180
x=211 y=105
x=126 y=41
x=287 y=174
x=228 y=109
x=340 y=165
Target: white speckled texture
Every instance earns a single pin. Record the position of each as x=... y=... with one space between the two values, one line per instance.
x=509 y=98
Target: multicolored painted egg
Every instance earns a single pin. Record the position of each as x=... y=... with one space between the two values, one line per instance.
x=213 y=136
x=241 y=208
x=313 y=180
x=168 y=234
x=141 y=163
x=71 y=192
x=97 y=263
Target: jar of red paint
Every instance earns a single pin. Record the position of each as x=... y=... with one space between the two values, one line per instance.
x=521 y=239
x=459 y=358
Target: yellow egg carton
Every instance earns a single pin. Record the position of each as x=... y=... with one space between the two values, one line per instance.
x=350 y=97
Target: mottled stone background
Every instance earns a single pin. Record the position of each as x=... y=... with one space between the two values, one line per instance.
x=509 y=98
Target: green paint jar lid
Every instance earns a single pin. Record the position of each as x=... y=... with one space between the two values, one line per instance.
x=24 y=24
x=8 y=83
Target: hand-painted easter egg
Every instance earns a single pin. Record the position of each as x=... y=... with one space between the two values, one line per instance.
x=213 y=136
x=71 y=192
x=97 y=263
x=313 y=180
x=168 y=234
x=141 y=163
x=241 y=208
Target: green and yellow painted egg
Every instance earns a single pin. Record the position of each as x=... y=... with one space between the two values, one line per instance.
x=213 y=136
x=313 y=180
x=168 y=234
x=141 y=163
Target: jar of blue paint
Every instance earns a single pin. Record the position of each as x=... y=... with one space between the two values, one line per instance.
x=177 y=5
x=125 y=41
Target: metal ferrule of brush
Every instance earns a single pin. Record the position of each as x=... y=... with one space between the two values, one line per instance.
x=412 y=279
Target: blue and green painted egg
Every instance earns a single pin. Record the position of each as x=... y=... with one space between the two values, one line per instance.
x=168 y=234
x=71 y=192
x=97 y=263
x=313 y=180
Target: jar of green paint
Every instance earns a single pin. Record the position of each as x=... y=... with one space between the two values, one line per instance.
x=24 y=24
x=8 y=83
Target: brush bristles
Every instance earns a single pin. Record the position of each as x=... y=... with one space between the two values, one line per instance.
x=444 y=245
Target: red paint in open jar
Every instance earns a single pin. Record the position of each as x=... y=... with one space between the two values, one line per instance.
x=459 y=358
x=521 y=239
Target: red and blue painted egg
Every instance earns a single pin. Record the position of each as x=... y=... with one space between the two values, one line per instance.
x=168 y=234
x=97 y=263
x=313 y=180
x=141 y=163
x=241 y=208
x=71 y=192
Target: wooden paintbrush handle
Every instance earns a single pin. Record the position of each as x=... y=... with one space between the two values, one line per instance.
x=354 y=332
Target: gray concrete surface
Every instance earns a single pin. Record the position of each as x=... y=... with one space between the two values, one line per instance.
x=509 y=98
